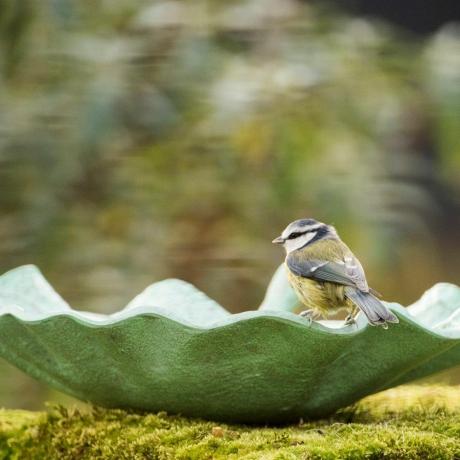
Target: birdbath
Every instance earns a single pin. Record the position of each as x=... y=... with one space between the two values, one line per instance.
x=174 y=349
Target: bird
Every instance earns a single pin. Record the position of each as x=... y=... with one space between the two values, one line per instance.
x=327 y=276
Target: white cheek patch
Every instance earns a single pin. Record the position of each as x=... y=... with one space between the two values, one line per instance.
x=297 y=243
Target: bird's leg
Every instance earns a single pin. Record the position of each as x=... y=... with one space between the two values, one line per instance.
x=350 y=319
x=310 y=315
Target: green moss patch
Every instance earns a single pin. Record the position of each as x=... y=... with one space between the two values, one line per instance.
x=407 y=422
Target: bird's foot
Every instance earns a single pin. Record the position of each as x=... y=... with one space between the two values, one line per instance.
x=309 y=314
x=350 y=320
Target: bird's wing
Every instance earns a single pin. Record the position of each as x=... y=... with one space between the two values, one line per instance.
x=347 y=270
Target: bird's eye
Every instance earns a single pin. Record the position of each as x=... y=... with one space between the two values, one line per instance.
x=295 y=235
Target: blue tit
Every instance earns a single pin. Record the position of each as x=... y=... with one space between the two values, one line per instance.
x=326 y=275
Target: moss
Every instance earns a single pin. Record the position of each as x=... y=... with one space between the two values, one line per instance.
x=407 y=422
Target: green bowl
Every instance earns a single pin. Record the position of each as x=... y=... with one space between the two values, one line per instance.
x=173 y=349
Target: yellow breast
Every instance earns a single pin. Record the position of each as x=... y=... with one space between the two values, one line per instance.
x=322 y=297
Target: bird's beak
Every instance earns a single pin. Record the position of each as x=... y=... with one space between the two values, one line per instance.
x=279 y=240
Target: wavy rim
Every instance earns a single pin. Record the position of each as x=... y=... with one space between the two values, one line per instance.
x=249 y=316
x=327 y=327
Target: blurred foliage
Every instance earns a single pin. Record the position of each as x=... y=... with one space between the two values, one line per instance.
x=141 y=140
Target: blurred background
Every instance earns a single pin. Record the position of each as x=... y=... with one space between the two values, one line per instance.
x=141 y=140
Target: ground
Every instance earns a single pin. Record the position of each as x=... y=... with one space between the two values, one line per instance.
x=406 y=422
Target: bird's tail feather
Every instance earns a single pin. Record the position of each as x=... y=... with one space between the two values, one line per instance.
x=376 y=312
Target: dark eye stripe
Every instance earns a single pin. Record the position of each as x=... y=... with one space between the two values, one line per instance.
x=296 y=234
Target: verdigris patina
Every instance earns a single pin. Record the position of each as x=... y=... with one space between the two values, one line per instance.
x=174 y=349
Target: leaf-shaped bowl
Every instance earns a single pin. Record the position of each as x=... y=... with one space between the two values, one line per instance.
x=174 y=349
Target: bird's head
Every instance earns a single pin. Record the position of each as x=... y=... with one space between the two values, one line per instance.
x=303 y=232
